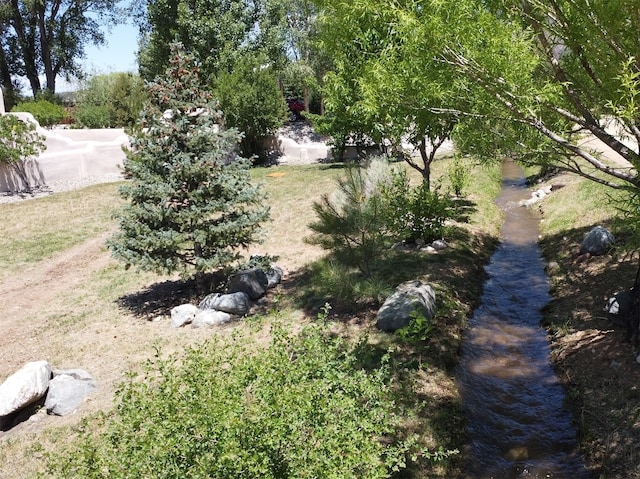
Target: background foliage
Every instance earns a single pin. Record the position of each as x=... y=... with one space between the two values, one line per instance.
x=111 y=100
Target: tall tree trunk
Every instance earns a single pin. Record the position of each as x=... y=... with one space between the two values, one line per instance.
x=305 y=95
x=427 y=158
x=26 y=42
x=45 y=51
x=7 y=84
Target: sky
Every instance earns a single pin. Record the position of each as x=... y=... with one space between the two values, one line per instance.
x=117 y=54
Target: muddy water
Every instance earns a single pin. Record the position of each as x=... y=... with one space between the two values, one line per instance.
x=517 y=422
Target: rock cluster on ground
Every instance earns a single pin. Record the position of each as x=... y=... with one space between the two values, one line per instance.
x=420 y=245
x=62 y=391
x=244 y=287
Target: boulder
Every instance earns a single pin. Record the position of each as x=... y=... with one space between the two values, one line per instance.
x=274 y=276
x=597 y=242
x=210 y=317
x=253 y=282
x=409 y=297
x=67 y=390
x=234 y=303
x=183 y=314
x=24 y=387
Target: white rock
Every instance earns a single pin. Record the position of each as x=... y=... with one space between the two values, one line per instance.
x=439 y=245
x=183 y=314
x=210 y=317
x=24 y=387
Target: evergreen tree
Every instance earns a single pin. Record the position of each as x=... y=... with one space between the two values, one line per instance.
x=191 y=205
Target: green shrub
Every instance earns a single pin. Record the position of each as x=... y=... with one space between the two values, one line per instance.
x=305 y=406
x=413 y=213
x=459 y=175
x=111 y=100
x=47 y=113
x=92 y=116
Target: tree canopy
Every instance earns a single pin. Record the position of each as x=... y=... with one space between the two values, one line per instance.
x=46 y=38
x=530 y=78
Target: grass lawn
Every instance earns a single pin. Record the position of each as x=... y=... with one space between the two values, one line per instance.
x=67 y=302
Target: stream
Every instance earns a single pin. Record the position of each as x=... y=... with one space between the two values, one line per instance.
x=516 y=418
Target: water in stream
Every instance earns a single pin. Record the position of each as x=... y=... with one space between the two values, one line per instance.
x=517 y=422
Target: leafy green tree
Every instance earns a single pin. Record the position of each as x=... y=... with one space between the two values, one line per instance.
x=46 y=38
x=19 y=143
x=218 y=32
x=252 y=102
x=191 y=205
x=110 y=100
x=385 y=84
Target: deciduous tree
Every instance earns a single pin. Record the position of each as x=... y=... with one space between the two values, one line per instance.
x=46 y=38
x=19 y=143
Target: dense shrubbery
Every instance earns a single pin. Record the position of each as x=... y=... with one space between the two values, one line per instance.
x=373 y=207
x=46 y=112
x=413 y=213
x=308 y=405
x=252 y=102
x=110 y=101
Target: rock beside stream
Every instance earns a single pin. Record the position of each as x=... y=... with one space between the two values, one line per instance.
x=408 y=299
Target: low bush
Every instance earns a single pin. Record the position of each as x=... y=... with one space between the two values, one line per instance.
x=47 y=113
x=413 y=213
x=92 y=116
x=307 y=405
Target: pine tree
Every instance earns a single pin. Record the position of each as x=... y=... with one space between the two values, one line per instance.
x=191 y=204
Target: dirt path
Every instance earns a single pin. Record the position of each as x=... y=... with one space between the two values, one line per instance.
x=26 y=295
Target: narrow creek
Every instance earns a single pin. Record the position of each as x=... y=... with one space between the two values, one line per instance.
x=517 y=422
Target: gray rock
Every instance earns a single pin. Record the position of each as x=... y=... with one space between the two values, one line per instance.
x=439 y=245
x=597 y=242
x=68 y=391
x=408 y=297
x=79 y=374
x=274 y=276
x=253 y=282
x=210 y=317
x=24 y=387
x=235 y=303
x=183 y=314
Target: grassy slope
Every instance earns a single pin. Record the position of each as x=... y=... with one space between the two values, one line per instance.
x=39 y=229
x=590 y=352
